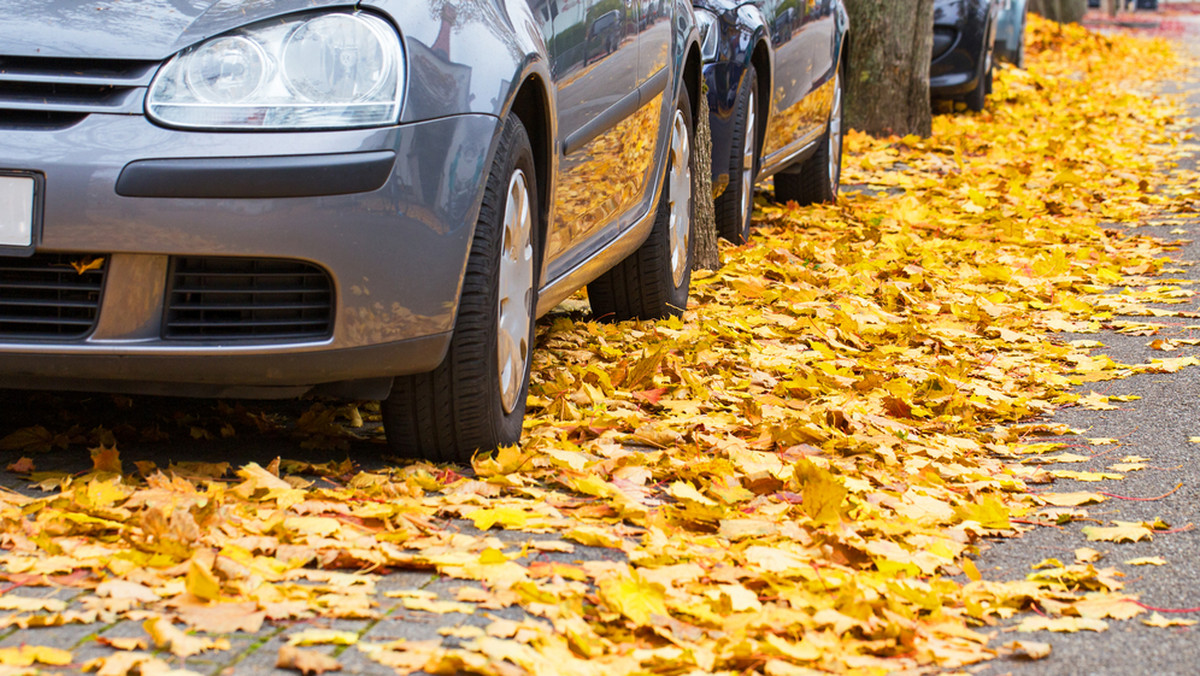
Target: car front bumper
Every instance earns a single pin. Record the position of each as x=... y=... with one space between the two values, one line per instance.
x=386 y=213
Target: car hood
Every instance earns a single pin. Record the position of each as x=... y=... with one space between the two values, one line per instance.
x=128 y=29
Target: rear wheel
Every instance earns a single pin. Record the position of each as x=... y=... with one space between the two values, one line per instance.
x=735 y=205
x=820 y=175
x=653 y=281
x=475 y=399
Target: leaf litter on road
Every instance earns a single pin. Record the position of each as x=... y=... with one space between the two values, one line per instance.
x=791 y=477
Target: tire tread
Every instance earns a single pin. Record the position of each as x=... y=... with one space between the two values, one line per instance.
x=448 y=414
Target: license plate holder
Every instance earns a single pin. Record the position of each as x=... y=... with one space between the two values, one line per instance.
x=20 y=212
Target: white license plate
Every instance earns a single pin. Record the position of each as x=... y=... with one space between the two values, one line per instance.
x=16 y=211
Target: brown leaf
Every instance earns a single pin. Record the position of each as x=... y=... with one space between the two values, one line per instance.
x=106 y=459
x=222 y=618
x=305 y=661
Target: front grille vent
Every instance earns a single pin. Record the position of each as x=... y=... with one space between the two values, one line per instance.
x=54 y=296
x=49 y=93
x=247 y=299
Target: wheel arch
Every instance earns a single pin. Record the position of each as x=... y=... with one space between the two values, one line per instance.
x=760 y=58
x=531 y=104
x=693 y=76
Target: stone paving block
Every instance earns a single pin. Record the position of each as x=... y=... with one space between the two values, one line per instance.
x=404 y=579
x=355 y=661
x=89 y=649
x=64 y=637
x=260 y=660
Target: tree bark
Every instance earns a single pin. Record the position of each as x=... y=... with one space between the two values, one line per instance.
x=887 y=76
x=706 y=255
x=1062 y=11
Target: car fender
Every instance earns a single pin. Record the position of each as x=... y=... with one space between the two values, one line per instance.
x=465 y=57
x=842 y=28
x=687 y=41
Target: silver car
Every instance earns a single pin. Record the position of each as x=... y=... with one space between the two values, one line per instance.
x=264 y=199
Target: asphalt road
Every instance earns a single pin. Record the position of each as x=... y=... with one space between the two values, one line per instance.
x=1157 y=426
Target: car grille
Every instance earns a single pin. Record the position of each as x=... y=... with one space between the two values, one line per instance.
x=47 y=295
x=52 y=93
x=247 y=299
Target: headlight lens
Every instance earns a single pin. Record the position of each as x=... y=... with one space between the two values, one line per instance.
x=706 y=23
x=324 y=71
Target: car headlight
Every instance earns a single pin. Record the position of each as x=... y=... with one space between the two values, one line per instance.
x=322 y=71
x=707 y=24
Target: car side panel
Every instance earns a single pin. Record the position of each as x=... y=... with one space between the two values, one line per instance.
x=793 y=73
x=594 y=62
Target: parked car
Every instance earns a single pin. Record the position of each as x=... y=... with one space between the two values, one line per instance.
x=273 y=198
x=1010 y=33
x=604 y=34
x=964 y=39
x=774 y=72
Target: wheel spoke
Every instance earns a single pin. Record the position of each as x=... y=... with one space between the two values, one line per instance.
x=835 y=135
x=515 y=290
x=679 y=187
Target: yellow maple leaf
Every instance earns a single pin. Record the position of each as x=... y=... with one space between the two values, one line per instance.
x=1123 y=532
x=27 y=655
x=634 y=597
x=1158 y=620
x=824 y=495
x=1033 y=650
x=1061 y=624
x=1075 y=499
x=1147 y=561
x=169 y=638
x=106 y=459
x=201 y=583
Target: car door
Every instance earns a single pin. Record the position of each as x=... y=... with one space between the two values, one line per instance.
x=651 y=122
x=795 y=37
x=594 y=61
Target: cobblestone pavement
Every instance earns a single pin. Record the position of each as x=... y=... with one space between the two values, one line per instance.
x=249 y=654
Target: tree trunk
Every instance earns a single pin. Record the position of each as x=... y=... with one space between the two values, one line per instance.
x=887 y=81
x=1062 y=11
x=706 y=255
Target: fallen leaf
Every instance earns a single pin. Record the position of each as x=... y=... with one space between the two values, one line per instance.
x=1157 y=620
x=1031 y=650
x=305 y=661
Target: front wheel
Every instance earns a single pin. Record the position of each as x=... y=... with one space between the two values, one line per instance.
x=820 y=175
x=653 y=281
x=977 y=97
x=735 y=205
x=475 y=399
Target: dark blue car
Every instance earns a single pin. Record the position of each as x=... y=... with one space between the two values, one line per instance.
x=774 y=75
x=964 y=41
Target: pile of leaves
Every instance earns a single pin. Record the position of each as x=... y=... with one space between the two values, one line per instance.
x=793 y=477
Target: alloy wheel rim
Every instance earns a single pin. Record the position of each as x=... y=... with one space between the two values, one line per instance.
x=514 y=309
x=748 y=161
x=679 y=187
x=835 y=135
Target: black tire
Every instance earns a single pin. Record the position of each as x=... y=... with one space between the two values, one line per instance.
x=819 y=176
x=733 y=210
x=977 y=97
x=643 y=285
x=448 y=414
